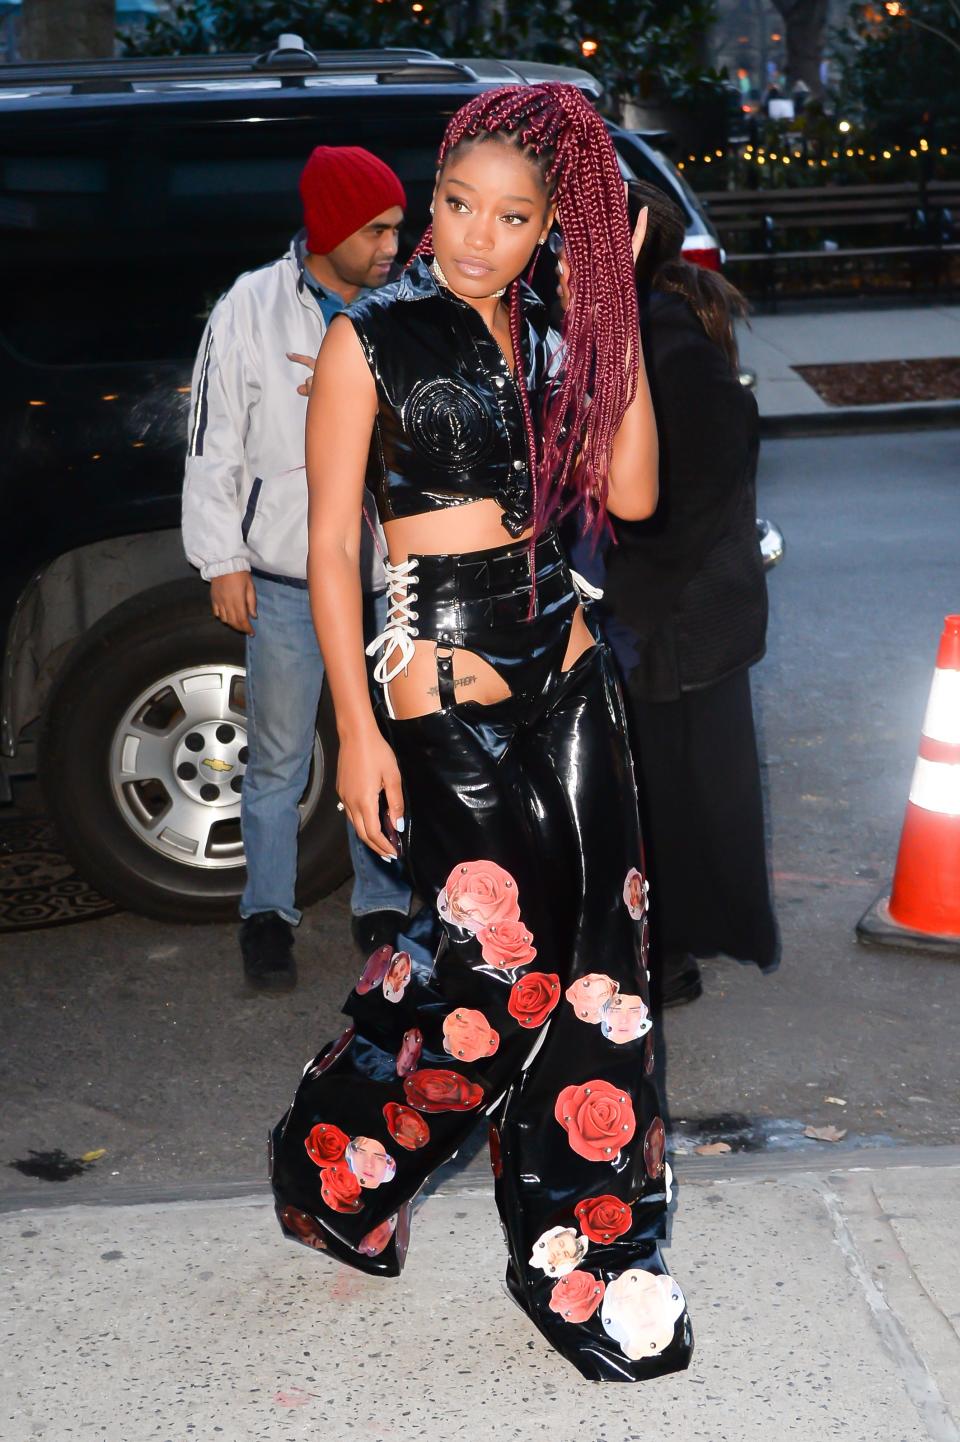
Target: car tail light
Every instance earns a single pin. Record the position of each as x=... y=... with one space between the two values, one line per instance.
x=707 y=255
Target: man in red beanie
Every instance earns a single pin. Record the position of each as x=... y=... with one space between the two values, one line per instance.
x=245 y=527
x=345 y=243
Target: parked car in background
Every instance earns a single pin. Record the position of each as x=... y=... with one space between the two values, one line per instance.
x=132 y=193
x=701 y=245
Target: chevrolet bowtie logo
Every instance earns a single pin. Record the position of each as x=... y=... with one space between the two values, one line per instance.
x=215 y=764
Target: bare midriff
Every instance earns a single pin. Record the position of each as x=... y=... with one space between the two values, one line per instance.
x=475 y=526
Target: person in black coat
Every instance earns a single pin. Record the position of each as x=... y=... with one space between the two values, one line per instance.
x=685 y=609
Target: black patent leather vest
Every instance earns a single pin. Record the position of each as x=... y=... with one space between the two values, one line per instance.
x=449 y=425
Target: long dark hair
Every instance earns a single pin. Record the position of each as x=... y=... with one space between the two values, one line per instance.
x=566 y=138
x=714 y=301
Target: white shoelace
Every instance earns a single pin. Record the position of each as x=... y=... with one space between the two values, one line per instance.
x=398 y=634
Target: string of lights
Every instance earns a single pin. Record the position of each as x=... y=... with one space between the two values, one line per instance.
x=784 y=156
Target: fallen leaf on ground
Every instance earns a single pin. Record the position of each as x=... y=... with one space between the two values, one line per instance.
x=95 y=1155
x=825 y=1134
x=295 y=1397
x=836 y=1101
x=712 y=1149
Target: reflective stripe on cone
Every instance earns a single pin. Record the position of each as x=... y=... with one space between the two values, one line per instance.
x=942 y=719
x=936 y=787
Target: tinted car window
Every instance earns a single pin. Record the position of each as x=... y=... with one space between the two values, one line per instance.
x=119 y=234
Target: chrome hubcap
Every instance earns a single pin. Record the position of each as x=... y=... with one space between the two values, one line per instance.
x=177 y=763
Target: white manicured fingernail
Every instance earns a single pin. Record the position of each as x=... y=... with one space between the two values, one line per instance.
x=401 y=823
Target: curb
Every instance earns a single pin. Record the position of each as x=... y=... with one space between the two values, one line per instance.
x=863 y=420
x=820 y=1160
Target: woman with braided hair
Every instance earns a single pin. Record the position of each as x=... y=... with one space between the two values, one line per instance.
x=496 y=761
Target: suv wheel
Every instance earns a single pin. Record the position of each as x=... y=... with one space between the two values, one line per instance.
x=142 y=757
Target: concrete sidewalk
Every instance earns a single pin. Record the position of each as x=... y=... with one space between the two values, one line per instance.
x=825 y=1304
x=771 y=345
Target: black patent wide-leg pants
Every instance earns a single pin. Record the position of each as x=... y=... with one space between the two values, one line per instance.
x=521 y=824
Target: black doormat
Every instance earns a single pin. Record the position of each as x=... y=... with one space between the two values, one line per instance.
x=38 y=885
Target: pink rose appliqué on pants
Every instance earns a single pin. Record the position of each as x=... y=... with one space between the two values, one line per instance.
x=478 y=894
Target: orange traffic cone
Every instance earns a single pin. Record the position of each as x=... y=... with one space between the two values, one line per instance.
x=923 y=908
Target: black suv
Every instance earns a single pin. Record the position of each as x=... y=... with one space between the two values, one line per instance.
x=133 y=194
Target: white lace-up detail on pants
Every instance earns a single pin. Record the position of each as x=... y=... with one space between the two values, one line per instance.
x=396 y=640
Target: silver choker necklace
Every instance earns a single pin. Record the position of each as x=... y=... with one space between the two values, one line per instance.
x=438 y=274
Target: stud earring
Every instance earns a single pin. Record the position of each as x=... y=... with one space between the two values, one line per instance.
x=431 y=210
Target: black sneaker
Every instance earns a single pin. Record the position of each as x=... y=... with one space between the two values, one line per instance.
x=377 y=928
x=266 y=944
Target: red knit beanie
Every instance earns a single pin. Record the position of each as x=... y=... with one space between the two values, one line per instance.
x=343 y=188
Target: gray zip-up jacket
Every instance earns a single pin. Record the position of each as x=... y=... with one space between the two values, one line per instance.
x=245 y=486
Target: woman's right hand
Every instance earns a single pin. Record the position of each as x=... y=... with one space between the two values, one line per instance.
x=367 y=767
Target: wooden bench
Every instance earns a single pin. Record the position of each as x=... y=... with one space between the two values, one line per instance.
x=770 y=219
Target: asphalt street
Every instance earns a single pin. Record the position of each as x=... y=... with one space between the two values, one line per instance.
x=139 y=1039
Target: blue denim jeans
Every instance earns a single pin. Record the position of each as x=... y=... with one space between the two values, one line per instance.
x=284 y=679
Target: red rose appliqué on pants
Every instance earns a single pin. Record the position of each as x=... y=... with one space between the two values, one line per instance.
x=407 y=1127
x=533 y=997
x=340 y=1189
x=326 y=1144
x=603 y=1219
x=598 y=1119
x=654 y=1148
x=437 y=1090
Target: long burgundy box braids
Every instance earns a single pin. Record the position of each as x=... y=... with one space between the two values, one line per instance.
x=567 y=138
